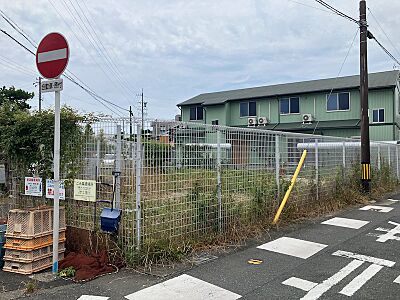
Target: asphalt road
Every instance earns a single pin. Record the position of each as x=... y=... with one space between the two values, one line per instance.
x=355 y=254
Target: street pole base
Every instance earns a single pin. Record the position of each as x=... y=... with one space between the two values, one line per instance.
x=366 y=186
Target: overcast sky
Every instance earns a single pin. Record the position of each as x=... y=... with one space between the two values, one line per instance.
x=177 y=49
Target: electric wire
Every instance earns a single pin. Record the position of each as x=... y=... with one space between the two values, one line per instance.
x=88 y=90
x=101 y=46
x=89 y=38
x=381 y=28
x=310 y=6
x=338 y=12
x=371 y=36
x=17 y=28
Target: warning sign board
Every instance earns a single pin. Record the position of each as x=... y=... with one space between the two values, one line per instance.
x=33 y=186
x=50 y=189
x=85 y=190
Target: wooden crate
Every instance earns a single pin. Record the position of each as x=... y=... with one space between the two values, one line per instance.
x=33 y=243
x=34 y=222
x=27 y=268
x=31 y=255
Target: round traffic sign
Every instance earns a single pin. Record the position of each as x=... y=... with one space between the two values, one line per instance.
x=52 y=55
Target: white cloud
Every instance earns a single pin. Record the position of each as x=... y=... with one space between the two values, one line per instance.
x=178 y=49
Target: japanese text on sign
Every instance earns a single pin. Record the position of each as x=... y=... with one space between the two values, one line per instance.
x=85 y=190
x=50 y=189
x=52 y=85
x=33 y=186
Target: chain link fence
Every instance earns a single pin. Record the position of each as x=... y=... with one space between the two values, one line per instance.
x=184 y=181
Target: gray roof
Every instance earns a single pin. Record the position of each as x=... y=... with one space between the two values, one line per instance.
x=375 y=80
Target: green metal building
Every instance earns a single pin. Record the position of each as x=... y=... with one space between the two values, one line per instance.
x=325 y=107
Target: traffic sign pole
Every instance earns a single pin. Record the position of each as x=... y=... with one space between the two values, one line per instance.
x=52 y=57
x=56 y=209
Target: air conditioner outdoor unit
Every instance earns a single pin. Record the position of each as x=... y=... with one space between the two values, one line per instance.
x=262 y=121
x=251 y=121
x=307 y=118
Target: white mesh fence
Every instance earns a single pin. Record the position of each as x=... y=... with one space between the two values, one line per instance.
x=175 y=180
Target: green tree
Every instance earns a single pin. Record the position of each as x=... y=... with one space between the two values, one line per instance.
x=16 y=98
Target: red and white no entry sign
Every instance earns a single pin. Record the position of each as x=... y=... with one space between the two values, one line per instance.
x=52 y=55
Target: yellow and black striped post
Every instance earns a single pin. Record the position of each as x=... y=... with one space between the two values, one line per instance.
x=365 y=172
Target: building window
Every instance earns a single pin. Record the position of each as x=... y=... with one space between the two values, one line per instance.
x=196 y=113
x=214 y=122
x=248 y=109
x=290 y=105
x=378 y=115
x=338 y=101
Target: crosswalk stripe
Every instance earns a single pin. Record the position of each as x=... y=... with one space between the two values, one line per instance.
x=383 y=209
x=293 y=247
x=90 y=297
x=345 y=222
x=183 y=287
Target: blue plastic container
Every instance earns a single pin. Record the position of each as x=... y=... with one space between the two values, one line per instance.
x=110 y=219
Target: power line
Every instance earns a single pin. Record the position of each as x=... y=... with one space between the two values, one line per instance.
x=17 y=28
x=88 y=90
x=371 y=36
x=89 y=37
x=102 y=48
x=15 y=40
x=310 y=6
x=377 y=22
x=338 y=12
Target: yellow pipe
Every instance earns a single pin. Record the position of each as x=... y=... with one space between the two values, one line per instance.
x=293 y=181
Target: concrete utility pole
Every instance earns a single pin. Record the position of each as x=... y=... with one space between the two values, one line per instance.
x=365 y=144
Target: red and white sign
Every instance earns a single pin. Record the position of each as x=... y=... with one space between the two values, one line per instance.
x=52 y=55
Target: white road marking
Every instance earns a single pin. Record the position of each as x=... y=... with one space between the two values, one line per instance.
x=345 y=222
x=370 y=259
x=327 y=284
x=299 y=283
x=383 y=209
x=390 y=233
x=183 y=287
x=52 y=55
x=293 y=247
x=394 y=200
x=397 y=280
x=360 y=280
x=90 y=297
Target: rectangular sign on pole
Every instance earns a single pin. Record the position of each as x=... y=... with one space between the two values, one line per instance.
x=50 y=189
x=33 y=186
x=85 y=190
x=55 y=85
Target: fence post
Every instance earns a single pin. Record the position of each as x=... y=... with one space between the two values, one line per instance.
x=344 y=157
x=117 y=174
x=316 y=168
x=277 y=164
x=219 y=187
x=98 y=159
x=397 y=162
x=379 y=157
x=138 y=172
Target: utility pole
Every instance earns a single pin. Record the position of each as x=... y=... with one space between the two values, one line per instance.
x=365 y=144
x=142 y=103
x=130 y=121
